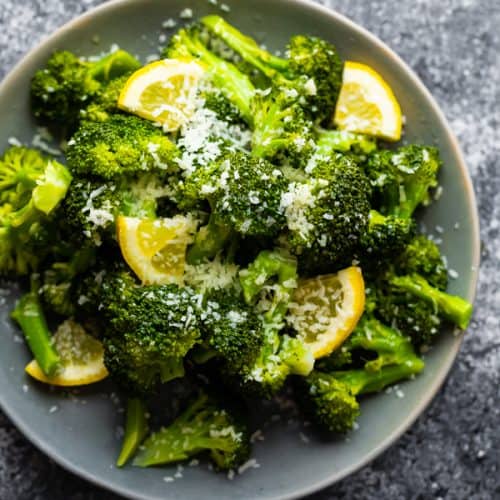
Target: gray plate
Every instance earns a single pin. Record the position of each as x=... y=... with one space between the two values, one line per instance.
x=79 y=432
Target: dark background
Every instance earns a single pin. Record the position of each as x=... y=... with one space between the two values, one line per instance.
x=453 y=450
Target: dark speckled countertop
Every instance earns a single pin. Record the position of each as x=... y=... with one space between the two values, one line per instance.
x=453 y=450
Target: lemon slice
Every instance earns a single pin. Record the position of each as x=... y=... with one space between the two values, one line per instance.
x=367 y=104
x=163 y=92
x=156 y=249
x=326 y=309
x=82 y=358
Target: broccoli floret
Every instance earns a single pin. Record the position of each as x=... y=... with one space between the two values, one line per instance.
x=281 y=130
x=222 y=75
x=57 y=281
x=31 y=187
x=327 y=214
x=105 y=102
x=204 y=426
x=123 y=144
x=69 y=84
x=386 y=238
x=409 y=293
x=149 y=330
x=422 y=256
x=232 y=330
x=313 y=68
x=402 y=179
x=268 y=283
x=330 y=398
x=245 y=196
x=450 y=307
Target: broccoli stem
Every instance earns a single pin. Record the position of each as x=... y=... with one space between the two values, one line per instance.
x=451 y=307
x=246 y=47
x=236 y=86
x=29 y=314
x=209 y=241
x=340 y=140
x=136 y=429
x=364 y=382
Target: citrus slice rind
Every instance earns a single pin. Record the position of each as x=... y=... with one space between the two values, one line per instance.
x=326 y=309
x=82 y=358
x=156 y=249
x=163 y=92
x=367 y=104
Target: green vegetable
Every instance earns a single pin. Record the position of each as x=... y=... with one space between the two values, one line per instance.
x=203 y=427
x=330 y=397
x=68 y=84
x=136 y=429
x=29 y=314
x=403 y=179
x=313 y=68
x=121 y=145
x=31 y=187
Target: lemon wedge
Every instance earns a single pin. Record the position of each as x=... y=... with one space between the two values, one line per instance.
x=156 y=249
x=82 y=358
x=163 y=92
x=325 y=310
x=367 y=104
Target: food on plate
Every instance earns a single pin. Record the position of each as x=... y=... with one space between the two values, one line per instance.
x=226 y=221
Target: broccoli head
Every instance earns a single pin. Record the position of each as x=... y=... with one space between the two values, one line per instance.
x=149 y=330
x=31 y=188
x=327 y=214
x=123 y=144
x=387 y=237
x=232 y=329
x=204 y=427
x=403 y=179
x=69 y=84
x=282 y=132
x=422 y=256
x=313 y=68
x=387 y=357
x=244 y=194
x=268 y=284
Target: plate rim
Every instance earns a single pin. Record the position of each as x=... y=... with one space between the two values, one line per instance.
x=446 y=363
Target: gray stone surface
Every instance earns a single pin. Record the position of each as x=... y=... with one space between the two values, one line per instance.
x=453 y=451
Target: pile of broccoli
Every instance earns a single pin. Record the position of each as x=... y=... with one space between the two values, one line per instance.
x=278 y=196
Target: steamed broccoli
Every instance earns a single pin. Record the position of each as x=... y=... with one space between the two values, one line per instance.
x=31 y=187
x=330 y=397
x=105 y=102
x=58 y=279
x=223 y=76
x=402 y=179
x=422 y=256
x=342 y=141
x=409 y=293
x=203 y=427
x=121 y=145
x=312 y=69
x=69 y=84
x=31 y=318
x=327 y=214
x=244 y=194
x=149 y=330
x=386 y=238
x=281 y=129
x=269 y=283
